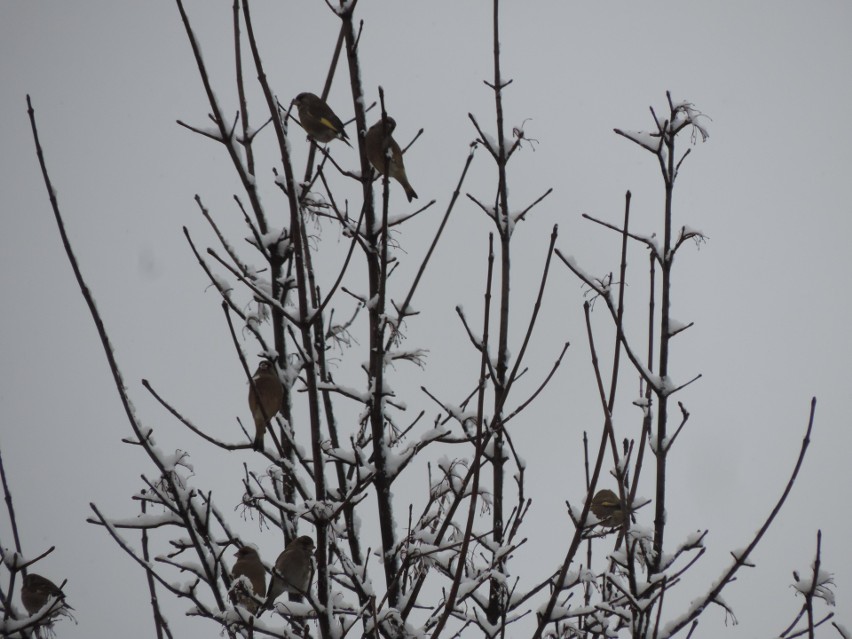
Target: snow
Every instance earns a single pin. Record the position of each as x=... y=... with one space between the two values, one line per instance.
x=821 y=589
x=348 y=391
x=693 y=538
x=588 y=278
x=435 y=433
x=395 y=461
x=211 y=131
x=467 y=586
x=490 y=142
x=12 y=559
x=651 y=141
x=147 y=520
x=675 y=326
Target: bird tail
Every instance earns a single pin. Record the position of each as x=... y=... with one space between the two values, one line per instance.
x=409 y=192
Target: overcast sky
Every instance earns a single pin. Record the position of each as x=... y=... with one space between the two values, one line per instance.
x=768 y=291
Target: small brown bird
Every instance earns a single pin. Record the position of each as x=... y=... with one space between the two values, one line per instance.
x=248 y=565
x=270 y=392
x=37 y=590
x=377 y=149
x=318 y=120
x=607 y=508
x=293 y=570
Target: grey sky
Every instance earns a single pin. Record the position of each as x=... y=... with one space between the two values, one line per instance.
x=767 y=292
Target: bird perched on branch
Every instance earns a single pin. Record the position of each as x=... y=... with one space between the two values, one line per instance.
x=318 y=120
x=248 y=565
x=266 y=402
x=380 y=142
x=36 y=591
x=293 y=570
x=608 y=509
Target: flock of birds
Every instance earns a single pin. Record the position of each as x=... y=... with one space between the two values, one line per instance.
x=293 y=570
x=292 y=573
x=320 y=123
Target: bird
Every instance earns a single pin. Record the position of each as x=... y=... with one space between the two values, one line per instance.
x=248 y=565
x=607 y=507
x=293 y=570
x=377 y=148
x=35 y=592
x=318 y=120
x=266 y=403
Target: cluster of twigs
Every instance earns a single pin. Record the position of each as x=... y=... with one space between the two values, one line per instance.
x=450 y=571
